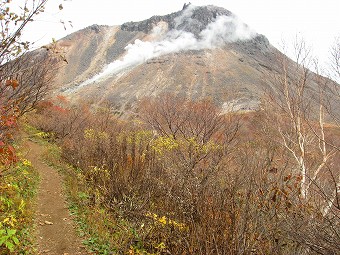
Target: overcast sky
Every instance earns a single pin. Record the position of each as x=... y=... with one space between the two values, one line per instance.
x=318 y=22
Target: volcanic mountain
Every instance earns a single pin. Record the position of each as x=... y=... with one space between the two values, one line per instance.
x=197 y=52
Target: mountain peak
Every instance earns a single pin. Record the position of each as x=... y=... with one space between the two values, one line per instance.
x=193 y=19
x=197 y=51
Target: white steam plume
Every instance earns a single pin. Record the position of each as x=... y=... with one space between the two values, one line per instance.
x=225 y=29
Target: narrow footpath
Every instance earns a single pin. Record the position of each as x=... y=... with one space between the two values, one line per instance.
x=56 y=234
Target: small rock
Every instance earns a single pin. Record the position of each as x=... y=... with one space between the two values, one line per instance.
x=48 y=222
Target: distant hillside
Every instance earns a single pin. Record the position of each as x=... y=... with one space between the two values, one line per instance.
x=198 y=52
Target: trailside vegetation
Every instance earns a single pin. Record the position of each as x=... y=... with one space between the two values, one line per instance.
x=25 y=78
x=185 y=178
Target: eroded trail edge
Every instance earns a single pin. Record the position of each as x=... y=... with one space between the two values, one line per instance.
x=55 y=229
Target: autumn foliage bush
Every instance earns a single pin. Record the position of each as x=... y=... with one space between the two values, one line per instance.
x=185 y=178
x=8 y=118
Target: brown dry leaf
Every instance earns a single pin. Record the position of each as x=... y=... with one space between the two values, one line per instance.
x=13 y=83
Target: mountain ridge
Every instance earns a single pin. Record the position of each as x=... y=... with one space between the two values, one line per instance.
x=202 y=16
x=217 y=56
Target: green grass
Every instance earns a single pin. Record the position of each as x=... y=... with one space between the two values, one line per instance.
x=18 y=189
x=37 y=136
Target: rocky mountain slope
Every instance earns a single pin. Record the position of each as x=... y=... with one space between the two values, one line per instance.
x=198 y=52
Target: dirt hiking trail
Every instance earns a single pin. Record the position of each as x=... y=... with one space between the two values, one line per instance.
x=56 y=234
